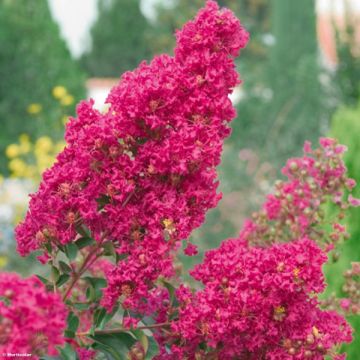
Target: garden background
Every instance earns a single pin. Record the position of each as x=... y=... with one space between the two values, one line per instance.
x=301 y=74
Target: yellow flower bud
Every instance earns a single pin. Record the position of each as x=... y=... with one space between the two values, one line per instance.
x=12 y=151
x=34 y=108
x=59 y=92
x=67 y=100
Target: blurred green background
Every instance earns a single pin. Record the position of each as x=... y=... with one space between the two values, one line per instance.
x=301 y=73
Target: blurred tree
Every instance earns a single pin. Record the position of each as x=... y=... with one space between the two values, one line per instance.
x=33 y=59
x=284 y=105
x=347 y=74
x=118 y=39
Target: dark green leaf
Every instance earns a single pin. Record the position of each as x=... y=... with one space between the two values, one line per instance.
x=94 y=291
x=67 y=353
x=55 y=274
x=43 y=280
x=72 y=322
x=69 y=334
x=71 y=251
x=120 y=257
x=118 y=345
x=109 y=249
x=99 y=315
x=63 y=278
x=65 y=268
x=48 y=247
x=108 y=317
x=84 y=241
x=153 y=349
x=83 y=231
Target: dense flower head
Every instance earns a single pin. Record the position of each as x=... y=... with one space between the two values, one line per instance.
x=32 y=320
x=143 y=174
x=257 y=303
x=296 y=208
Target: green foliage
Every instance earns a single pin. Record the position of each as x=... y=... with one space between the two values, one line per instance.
x=346 y=128
x=118 y=39
x=33 y=59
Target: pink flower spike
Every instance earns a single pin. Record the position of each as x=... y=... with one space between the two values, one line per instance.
x=345 y=304
x=327 y=142
x=350 y=183
x=354 y=201
x=307 y=147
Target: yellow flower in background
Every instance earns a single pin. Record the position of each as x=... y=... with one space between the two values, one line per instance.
x=12 y=151
x=34 y=108
x=3 y=261
x=17 y=167
x=59 y=92
x=25 y=144
x=29 y=160
x=1 y=179
x=43 y=144
x=24 y=138
x=67 y=100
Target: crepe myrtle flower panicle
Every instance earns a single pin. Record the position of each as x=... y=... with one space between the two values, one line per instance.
x=149 y=161
x=32 y=320
x=257 y=303
x=295 y=208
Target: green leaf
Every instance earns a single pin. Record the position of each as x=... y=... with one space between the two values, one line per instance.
x=55 y=274
x=108 y=317
x=84 y=231
x=109 y=249
x=84 y=241
x=64 y=267
x=67 y=353
x=48 y=247
x=72 y=322
x=71 y=251
x=63 y=278
x=140 y=335
x=90 y=293
x=43 y=280
x=99 y=315
x=153 y=349
x=120 y=257
x=171 y=289
x=94 y=291
x=69 y=334
x=117 y=345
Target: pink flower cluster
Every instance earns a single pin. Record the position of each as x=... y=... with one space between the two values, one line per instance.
x=143 y=174
x=257 y=303
x=296 y=208
x=260 y=290
x=32 y=320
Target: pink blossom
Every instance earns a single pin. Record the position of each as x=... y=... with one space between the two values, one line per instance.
x=258 y=301
x=143 y=175
x=354 y=201
x=32 y=320
x=191 y=249
x=345 y=304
